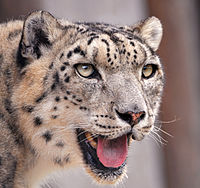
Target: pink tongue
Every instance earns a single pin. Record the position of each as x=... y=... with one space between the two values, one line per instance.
x=112 y=153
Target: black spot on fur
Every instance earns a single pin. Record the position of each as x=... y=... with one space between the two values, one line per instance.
x=55 y=108
x=83 y=108
x=65 y=97
x=66 y=63
x=43 y=96
x=17 y=134
x=69 y=54
x=37 y=121
x=77 y=50
x=53 y=86
x=56 y=77
x=92 y=34
x=68 y=92
x=91 y=39
x=61 y=55
x=62 y=68
x=82 y=53
x=56 y=81
x=51 y=66
x=67 y=79
x=47 y=136
x=74 y=103
x=115 y=39
x=79 y=100
x=105 y=41
x=57 y=99
x=132 y=43
x=28 y=108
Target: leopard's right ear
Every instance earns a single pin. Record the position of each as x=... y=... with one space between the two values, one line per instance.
x=39 y=31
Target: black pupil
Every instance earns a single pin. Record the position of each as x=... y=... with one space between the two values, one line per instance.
x=147 y=67
x=85 y=67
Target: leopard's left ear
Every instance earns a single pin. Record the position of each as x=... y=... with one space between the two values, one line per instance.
x=40 y=30
x=150 y=30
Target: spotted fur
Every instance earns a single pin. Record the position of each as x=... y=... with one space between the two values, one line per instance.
x=43 y=100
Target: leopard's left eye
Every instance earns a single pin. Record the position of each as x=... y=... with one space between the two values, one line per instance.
x=84 y=69
x=149 y=70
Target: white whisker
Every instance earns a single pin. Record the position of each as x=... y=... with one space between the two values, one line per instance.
x=157 y=129
x=160 y=137
x=156 y=141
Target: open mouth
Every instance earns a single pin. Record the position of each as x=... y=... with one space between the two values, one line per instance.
x=105 y=157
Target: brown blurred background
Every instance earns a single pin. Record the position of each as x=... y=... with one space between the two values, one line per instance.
x=151 y=165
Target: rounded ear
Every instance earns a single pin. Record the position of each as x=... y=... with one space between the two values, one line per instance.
x=40 y=29
x=150 y=30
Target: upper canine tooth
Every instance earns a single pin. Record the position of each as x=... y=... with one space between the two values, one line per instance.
x=90 y=139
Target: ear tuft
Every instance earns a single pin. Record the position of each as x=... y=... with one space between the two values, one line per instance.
x=150 y=31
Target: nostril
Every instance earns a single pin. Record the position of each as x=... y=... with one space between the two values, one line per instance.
x=125 y=116
x=142 y=116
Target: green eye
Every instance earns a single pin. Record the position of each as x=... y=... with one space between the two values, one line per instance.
x=84 y=70
x=149 y=70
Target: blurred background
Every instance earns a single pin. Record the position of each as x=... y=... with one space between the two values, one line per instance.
x=151 y=164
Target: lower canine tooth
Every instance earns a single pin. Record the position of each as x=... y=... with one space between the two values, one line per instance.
x=91 y=140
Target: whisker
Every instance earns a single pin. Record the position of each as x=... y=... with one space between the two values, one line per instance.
x=87 y=138
x=83 y=132
x=160 y=137
x=159 y=129
x=168 y=122
x=156 y=141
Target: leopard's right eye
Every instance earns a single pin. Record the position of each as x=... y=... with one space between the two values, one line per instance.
x=87 y=70
x=84 y=70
